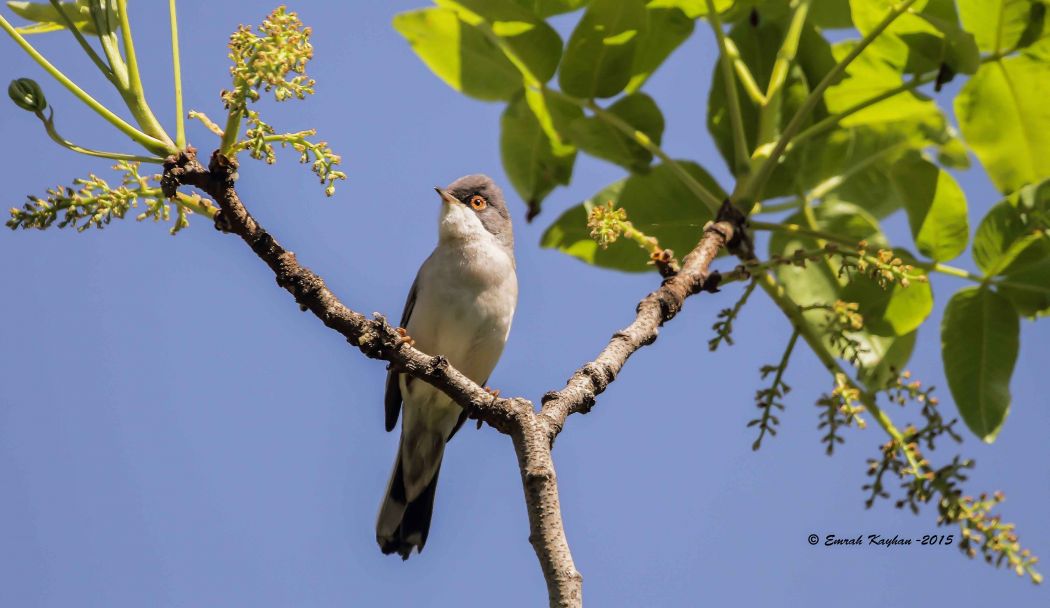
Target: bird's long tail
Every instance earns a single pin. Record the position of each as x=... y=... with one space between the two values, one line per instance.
x=404 y=516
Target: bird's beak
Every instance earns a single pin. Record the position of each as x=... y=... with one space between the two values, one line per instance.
x=445 y=196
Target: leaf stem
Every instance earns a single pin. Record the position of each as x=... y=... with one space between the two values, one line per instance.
x=230 y=132
x=747 y=79
x=49 y=126
x=134 y=96
x=770 y=110
x=180 y=124
x=150 y=143
x=751 y=188
x=741 y=154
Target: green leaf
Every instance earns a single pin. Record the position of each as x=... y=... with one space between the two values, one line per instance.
x=676 y=221
x=830 y=14
x=668 y=28
x=952 y=153
x=979 y=344
x=1013 y=243
x=548 y=8
x=459 y=53
x=600 y=55
x=47 y=18
x=604 y=141
x=869 y=76
x=895 y=312
x=936 y=207
x=854 y=165
x=1001 y=24
x=1004 y=116
x=532 y=41
x=535 y=164
x=1018 y=217
x=921 y=39
x=691 y=8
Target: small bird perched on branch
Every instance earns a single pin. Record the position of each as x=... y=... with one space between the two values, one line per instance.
x=460 y=306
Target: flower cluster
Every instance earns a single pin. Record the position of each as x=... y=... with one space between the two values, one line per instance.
x=260 y=138
x=608 y=223
x=265 y=61
x=884 y=267
x=93 y=203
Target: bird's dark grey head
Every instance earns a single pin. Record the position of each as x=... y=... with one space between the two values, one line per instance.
x=481 y=195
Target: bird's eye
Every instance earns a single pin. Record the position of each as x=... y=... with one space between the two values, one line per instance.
x=477 y=202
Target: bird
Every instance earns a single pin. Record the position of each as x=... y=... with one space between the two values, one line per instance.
x=460 y=306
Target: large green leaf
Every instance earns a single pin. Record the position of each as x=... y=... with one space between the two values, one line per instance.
x=657 y=203
x=48 y=19
x=854 y=165
x=936 y=207
x=532 y=41
x=668 y=28
x=979 y=344
x=1005 y=118
x=600 y=55
x=896 y=312
x=692 y=8
x=599 y=139
x=830 y=14
x=534 y=161
x=459 y=53
x=1002 y=24
x=547 y=8
x=1013 y=243
x=869 y=76
x=921 y=39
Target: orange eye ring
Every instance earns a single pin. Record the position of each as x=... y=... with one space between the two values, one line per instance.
x=477 y=202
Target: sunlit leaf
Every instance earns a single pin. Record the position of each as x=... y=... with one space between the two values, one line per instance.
x=1001 y=24
x=667 y=29
x=1004 y=116
x=532 y=41
x=459 y=53
x=547 y=8
x=600 y=55
x=936 y=207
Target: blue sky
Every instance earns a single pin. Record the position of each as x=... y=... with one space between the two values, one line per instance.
x=173 y=432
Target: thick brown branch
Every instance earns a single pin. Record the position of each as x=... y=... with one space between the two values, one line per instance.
x=653 y=311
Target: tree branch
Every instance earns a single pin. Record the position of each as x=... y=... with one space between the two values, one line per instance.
x=532 y=433
x=653 y=311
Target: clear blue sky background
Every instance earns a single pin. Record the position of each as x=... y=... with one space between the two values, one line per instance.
x=173 y=432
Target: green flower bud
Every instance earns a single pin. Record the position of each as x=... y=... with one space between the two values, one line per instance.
x=27 y=95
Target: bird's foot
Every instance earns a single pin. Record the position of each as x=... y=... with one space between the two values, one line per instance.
x=405 y=338
x=492 y=391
